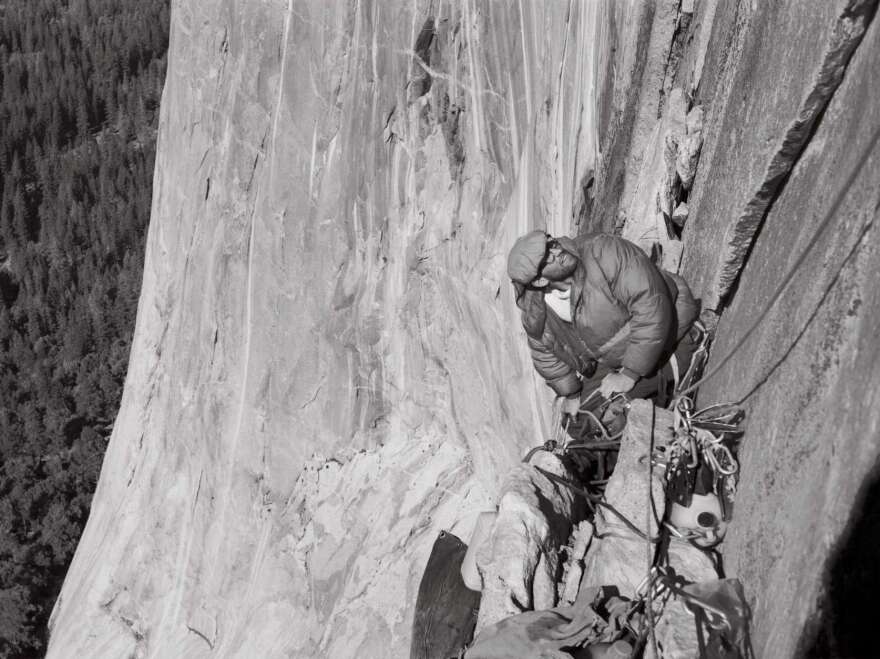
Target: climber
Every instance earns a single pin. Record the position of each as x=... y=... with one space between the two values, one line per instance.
x=600 y=317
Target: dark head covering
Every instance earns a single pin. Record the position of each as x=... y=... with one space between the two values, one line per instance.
x=567 y=244
x=526 y=256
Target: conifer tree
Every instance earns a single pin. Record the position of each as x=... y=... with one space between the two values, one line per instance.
x=79 y=79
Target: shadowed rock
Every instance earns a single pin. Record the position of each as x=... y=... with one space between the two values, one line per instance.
x=620 y=557
x=446 y=609
x=520 y=561
x=807 y=378
x=789 y=59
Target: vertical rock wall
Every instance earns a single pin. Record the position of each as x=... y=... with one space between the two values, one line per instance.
x=773 y=67
x=787 y=161
x=328 y=367
x=809 y=381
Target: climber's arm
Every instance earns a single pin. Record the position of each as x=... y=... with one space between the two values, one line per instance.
x=638 y=284
x=560 y=377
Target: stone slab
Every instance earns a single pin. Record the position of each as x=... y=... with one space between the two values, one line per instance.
x=520 y=560
x=777 y=65
x=617 y=556
x=808 y=377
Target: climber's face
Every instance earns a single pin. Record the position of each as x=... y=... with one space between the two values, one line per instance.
x=557 y=268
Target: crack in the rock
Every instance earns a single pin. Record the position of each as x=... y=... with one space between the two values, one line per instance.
x=844 y=41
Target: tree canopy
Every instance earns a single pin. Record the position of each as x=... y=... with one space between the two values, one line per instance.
x=80 y=84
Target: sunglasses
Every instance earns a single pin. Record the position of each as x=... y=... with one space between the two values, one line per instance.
x=550 y=256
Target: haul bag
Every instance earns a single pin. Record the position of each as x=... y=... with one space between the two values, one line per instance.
x=446 y=609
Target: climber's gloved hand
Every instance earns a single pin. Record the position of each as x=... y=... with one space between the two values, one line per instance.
x=571 y=406
x=615 y=383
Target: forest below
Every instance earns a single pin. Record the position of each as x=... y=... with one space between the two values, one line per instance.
x=81 y=83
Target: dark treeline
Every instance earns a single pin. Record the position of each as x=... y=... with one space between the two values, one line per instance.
x=81 y=82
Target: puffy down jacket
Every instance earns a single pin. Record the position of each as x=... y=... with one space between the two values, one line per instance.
x=626 y=313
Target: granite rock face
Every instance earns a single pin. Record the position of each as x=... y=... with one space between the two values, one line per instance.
x=774 y=68
x=328 y=366
x=520 y=561
x=788 y=163
x=619 y=556
x=656 y=210
x=808 y=376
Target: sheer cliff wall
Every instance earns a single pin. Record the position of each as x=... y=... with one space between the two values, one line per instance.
x=793 y=183
x=328 y=366
x=782 y=98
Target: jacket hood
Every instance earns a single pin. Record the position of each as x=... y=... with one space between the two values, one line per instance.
x=526 y=256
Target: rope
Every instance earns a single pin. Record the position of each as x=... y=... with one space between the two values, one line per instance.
x=557 y=420
x=650 y=589
x=597 y=500
x=649 y=548
x=561 y=441
x=698 y=358
x=823 y=225
x=541 y=447
x=670 y=582
x=809 y=321
x=606 y=436
x=610 y=445
x=694 y=437
x=691 y=429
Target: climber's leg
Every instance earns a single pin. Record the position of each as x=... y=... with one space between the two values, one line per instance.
x=670 y=374
x=657 y=386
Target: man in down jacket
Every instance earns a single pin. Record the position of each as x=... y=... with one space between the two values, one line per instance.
x=600 y=316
